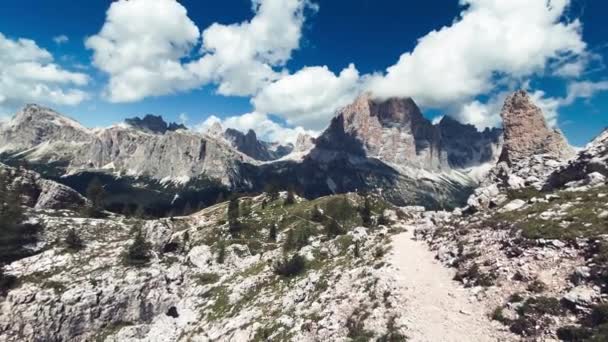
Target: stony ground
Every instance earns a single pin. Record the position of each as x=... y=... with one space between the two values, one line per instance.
x=537 y=258
x=204 y=284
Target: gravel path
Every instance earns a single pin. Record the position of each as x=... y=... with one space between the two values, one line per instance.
x=438 y=308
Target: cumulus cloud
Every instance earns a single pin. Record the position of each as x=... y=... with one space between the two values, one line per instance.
x=584 y=89
x=265 y=128
x=143 y=43
x=241 y=57
x=61 y=39
x=28 y=74
x=489 y=41
x=310 y=96
x=140 y=47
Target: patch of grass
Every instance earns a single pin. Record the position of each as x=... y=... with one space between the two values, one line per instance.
x=356 y=326
x=532 y=315
x=476 y=277
x=206 y=278
x=221 y=303
x=498 y=315
x=525 y=194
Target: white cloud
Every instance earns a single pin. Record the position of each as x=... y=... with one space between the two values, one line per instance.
x=584 y=89
x=241 y=57
x=61 y=39
x=265 y=128
x=141 y=45
x=310 y=96
x=28 y=74
x=143 y=42
x=491 y=40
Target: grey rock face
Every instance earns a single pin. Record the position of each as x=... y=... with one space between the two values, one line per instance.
x=304 y=143
x=592 y=160
x=395 y=132
x=174 y=155
x=526 y=132
x=35 y=125
x=254 y=148
x=40 y=193
x=152 y=149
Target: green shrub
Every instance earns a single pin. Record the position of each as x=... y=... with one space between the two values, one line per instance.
x=333 y=229
x=7 y=282
x=599 y=315
x=537 y=286
x=498 y=315
x=73 y=241
x=272 y=233
x=291 y=267
x=574 y=334
x=138 y=253
x=297 y=237
x=221 y=252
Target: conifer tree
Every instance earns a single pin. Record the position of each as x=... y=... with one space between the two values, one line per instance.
x=73 y=240
x=138 y=252
x=233 y=216
x=291 y=198
x=366 y=213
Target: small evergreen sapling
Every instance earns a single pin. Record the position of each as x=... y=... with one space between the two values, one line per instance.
x=73 y=241
x=138 y=253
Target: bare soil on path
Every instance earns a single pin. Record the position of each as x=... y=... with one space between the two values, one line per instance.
x=438 y=308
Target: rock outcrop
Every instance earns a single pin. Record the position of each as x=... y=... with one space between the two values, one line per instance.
x=254 y=148
x=590 y=164
x=153 y=124
x=40 y=193
x=395 y=132
x=526 y=133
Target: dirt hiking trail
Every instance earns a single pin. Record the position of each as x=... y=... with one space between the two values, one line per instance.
x=438 y=309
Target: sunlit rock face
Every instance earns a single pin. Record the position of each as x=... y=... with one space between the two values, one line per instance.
x=526 y=133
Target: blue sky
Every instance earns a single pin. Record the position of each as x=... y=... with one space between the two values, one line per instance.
x=370 y=35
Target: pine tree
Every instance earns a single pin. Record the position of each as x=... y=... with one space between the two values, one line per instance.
x=7 y=282
x=233 y=216
x=272 y=190
x=187 y=209
x=73 y=240
x=272 y=233
x=245 y=208
x=366 y=213
x=316 y=215
x=140 y=212
x=96 y=196
x=14 y=234
x=138 y=253
x=291 y=198
x=221 y=252
x=333 y=229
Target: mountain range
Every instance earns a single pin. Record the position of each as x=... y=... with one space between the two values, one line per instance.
x=372 y=145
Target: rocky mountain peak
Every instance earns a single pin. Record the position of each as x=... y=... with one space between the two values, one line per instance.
x=215 y=130
x=153 y=124
x=526 y=133
x=304 y=142
x=38 y=113
x=249 y=144
x=395 y=131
